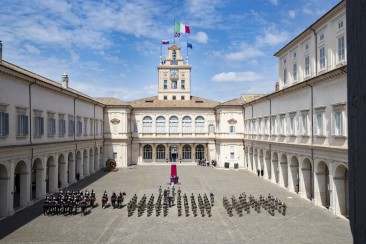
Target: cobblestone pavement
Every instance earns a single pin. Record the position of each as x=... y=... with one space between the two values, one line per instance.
x=303 y=223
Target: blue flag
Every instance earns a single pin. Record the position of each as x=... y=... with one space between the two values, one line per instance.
x=189 y=45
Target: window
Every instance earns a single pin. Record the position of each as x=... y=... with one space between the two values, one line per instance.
x=147 y=124
x=85 y=126
x=165 y=84
x=322 y=58
x=174 y=98
x=321 y=37
x=51 y=126
x=22 y=125
x=294 y=72
x=182 y=98
x=282 y=125
x=183 y=85
x=232 y=129
x=71 y=126
x=211 y=128
x=273 y=125
x=91 y=127
x=79 y=127
x=338 y=123
x=165 y=97
x=200 y=123
x=147 y=152
x=114 y=155
x=306 y=47
x=4 y=124
x=187 y=152
x=307 y=66
x=266 y=126
x=303 y=124
x=291 y=125
x=187 y=124
x=260 y=126
x=173 y=124
x=285 y=77
x=200 y=152
x=160 y=152
x=174 y=85
x=96 y=127
x=340 y=24
x=294 y=54
x=61 y=126
x=341 y=49
x=114 y=128
x=135 y=128
x=38 y=126
x=318 y=124
x=338 y=120
x=160 y=124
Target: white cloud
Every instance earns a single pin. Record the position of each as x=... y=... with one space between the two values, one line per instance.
x=272 y=36
x=243 y=51
x=307 y=10
x=292 y=14
x=236 y=76
x=200 y=37
x=274 y=2
x=32 y=49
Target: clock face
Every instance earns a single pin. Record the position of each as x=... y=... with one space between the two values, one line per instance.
x=174 y=74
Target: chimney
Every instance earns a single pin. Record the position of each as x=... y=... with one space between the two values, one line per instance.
x=277 y=86
x=1 y=51
x=65 y=81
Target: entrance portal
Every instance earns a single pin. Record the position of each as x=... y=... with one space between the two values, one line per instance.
x=173 y=153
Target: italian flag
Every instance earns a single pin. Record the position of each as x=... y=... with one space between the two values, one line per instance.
x=179 y=27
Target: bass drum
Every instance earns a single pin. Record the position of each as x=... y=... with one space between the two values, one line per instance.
x=111 y=164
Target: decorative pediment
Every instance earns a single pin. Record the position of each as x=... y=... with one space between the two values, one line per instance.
x=115 y=121
x=232 y=121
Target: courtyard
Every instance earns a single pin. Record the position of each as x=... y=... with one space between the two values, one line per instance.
x=303 y=223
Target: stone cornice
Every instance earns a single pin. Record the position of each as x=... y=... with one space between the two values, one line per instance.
x=315 y=80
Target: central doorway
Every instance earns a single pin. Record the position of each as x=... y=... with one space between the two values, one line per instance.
x=173 y=153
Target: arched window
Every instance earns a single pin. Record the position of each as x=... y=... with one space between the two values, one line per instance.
x=147 y=152
x=160 y=152
x=200 y=152
x=187 y=152
x=200 y=124
x=160 y=124
x=173 y=124
x=147 y=124
x=187 y=124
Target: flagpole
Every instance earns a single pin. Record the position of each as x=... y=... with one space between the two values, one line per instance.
x=161 y=52
x=174 y=30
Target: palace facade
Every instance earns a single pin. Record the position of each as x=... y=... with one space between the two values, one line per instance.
x=296 y=136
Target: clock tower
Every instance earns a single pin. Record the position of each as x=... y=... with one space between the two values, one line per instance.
x=174 y=77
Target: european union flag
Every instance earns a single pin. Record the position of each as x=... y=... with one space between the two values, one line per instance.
x=189 y=45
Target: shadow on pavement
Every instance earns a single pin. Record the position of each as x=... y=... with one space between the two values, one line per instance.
x=26 y=215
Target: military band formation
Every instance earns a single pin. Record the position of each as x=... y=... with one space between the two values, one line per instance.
x=69 y=202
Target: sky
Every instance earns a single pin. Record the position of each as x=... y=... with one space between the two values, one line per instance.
x=112 y=48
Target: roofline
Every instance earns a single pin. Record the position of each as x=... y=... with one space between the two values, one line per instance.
x=310 y=82
x=311 y=27
x=56 y=86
